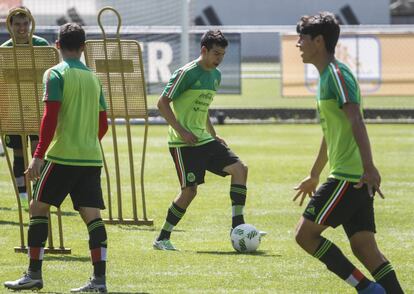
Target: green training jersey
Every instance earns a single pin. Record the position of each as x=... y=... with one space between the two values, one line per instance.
x=36 y=41
x=337 y=86
x=192 y=89
x=79 y=91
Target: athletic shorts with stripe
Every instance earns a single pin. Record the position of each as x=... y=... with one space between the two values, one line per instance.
x=337 y=202
x=15 y=141
x=191 y=163
x=82 y=183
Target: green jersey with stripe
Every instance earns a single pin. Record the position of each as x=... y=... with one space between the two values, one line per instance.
x=79 y=91
x=192 y=89
x=337 y=86
x=36 y=41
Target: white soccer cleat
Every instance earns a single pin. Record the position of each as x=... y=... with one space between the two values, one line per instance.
x=262 y=233
x=93 y=285
x=24 y=283
x=164 y=245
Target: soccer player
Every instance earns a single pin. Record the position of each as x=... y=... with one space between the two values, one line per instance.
x=73 y=123
x=194 y=145
x=347 y=197
x=20 y=24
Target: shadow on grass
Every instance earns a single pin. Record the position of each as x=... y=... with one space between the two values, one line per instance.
x=2 y=222
x=63 y=258
x=66 y=213
x=142 y=228
x=128 y=292
x=256 y=253
x=134 y=228
x=109 y=292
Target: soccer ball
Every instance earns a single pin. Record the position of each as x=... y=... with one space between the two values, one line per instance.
x=245 y=238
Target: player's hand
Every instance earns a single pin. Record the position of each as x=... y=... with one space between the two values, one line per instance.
x=188 y=137
x=34 y=169
x=221 y=140
x=372 y=178
x=306 y=188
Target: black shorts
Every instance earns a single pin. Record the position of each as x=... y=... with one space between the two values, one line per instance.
x=191 y=163
x=15 y=141
x=337 y=202
x=83 y=183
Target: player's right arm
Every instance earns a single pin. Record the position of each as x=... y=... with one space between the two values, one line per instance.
x=178 y=84
x=308 y=185
x=103 y=118
x=166 y=111
x=52 y=97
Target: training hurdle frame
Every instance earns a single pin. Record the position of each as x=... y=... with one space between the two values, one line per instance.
x=21 y=74
x=119 y=65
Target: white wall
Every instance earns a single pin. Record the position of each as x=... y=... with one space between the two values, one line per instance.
x=284 y=12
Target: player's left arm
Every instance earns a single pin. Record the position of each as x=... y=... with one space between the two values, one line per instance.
x=212 y=131
x=371 y=176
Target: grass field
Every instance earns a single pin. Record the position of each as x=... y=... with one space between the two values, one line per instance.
x=278 y=157
x=265 y=93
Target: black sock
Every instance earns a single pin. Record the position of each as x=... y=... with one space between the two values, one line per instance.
x=36 y=240
x=238 y=201
x=385 y=275
x=336 y=262
x=98 y=245
x=174 y=215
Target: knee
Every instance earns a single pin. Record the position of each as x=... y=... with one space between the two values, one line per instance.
x=38 y=208
x=243 y=168
x=301 y=237
x=240 y=169
x=189 y=192
x=306 y=238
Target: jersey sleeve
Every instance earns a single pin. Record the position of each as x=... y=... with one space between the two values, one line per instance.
x=43 y=42
x=344 y=86
x=177 y=85
x=39 y=41
x=52 y=86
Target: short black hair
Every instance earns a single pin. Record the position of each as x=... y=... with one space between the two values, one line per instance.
x=71 y=36
x=13 y=12
x=323 y=23
x=211 y=38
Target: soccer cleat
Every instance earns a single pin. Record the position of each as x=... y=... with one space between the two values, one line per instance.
x=24 y=283
x=373 y=288
x=262 y=233
x=164 y=245
x=93 y=285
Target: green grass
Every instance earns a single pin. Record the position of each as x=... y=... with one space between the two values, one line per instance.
x=266 y=93
x=279 y=156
